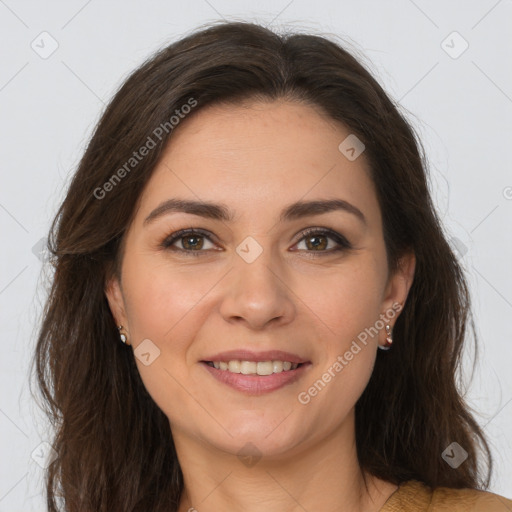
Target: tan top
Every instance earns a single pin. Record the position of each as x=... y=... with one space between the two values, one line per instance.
x=413 y=496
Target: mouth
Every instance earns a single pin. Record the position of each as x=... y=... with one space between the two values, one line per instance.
x=256 y=373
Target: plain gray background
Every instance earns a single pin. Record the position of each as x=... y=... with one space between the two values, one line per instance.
x=456 y=86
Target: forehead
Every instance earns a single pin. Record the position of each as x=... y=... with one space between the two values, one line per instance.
x=257 y=156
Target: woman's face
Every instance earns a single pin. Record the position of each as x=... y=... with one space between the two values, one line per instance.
x=254 y=283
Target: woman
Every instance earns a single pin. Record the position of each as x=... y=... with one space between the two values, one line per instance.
x=250 y=222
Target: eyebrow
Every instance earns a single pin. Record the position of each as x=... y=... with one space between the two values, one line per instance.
x=219 y=211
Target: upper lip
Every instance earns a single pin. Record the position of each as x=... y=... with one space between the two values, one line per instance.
x=249 y=355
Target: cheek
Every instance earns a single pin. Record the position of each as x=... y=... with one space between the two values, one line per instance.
x=163 y=306
x=162 y=298
x=167 y=304
x=332 y=392
x=345 y=301
x=346 y=306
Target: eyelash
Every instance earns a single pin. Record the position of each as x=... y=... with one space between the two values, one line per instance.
x=343 y=243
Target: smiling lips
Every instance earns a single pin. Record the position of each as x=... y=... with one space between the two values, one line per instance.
x=256 y=373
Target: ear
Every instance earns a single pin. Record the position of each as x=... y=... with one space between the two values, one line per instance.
x=398 y=286
x=115 y=300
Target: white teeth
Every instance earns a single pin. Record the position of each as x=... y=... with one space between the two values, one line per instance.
x=248 y=367
x=234 y=366
x=255 y=368
x=265 y=368
x=277 y=366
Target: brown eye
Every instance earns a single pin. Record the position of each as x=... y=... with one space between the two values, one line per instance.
x=317 y=240
x=192 y=242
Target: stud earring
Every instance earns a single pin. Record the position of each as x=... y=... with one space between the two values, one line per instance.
x=122 y=335
x=389 y=339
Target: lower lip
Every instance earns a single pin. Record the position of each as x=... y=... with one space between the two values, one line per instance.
x=257 y=384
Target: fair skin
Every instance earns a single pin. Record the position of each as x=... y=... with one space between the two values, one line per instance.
x=296 y=296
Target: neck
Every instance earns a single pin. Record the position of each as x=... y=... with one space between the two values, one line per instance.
x=322 y=476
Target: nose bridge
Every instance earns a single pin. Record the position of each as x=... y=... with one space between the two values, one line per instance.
x=254 y=263
x=255 y=268
x=257 y=292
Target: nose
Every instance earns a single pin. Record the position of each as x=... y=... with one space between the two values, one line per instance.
x=257 y=293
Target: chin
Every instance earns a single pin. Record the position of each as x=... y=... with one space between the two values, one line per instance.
x=263 y=437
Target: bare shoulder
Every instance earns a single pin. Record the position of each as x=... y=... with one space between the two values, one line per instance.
x=468 y=499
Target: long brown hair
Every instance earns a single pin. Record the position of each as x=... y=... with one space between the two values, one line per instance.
x=114 y=445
